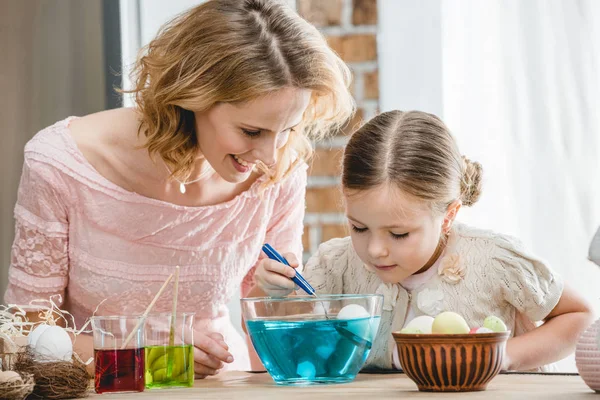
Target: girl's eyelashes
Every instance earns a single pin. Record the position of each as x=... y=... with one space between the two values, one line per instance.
x=250 y=133
x=397 y=236
x=357 y=229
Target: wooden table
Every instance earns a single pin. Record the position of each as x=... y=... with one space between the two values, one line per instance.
x=249 y=386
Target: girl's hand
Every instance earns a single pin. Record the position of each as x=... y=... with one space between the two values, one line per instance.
x=274 y=278
x=210 y=353
x=555 y=339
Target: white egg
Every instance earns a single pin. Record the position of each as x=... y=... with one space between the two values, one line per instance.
x=10 y=376
x=35 y=334
x=422 y=323
x=53 y=345
x=353 y=311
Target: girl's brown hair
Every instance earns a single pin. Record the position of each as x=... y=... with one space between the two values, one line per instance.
x=234 y=51
x=414 y=151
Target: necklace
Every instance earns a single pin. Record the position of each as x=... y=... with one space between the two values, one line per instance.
x=205 y=172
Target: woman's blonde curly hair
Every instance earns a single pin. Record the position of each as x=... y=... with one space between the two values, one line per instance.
x=233 y=51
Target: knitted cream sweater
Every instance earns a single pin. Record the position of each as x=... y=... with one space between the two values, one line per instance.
x=481 y=273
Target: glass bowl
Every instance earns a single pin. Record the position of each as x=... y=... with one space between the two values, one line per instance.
x=308 y=340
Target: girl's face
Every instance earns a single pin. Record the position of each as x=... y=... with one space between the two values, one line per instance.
x=393 y=233
x=232 y=137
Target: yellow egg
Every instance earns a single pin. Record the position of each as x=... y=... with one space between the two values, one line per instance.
x=449 y=323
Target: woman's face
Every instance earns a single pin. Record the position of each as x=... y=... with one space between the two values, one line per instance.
x=232 y=137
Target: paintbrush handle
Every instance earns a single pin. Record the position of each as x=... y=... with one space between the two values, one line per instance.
x=137 y=326
x=174 y=311
x=297 y=279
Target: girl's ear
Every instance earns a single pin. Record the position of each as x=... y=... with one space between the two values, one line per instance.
x=451 y=212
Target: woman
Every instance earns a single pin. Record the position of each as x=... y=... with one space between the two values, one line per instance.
x=110 y=203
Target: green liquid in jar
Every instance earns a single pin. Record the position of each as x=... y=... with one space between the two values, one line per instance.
x=169 y=366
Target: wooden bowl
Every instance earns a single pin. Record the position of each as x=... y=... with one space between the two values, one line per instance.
x=451 y=363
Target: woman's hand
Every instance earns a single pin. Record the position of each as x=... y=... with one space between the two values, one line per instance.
x=210 y=353
x=274 y=278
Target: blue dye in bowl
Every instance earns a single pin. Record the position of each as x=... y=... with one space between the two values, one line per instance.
x=309 y=351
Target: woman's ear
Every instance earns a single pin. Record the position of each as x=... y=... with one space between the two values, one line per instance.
x=451 y=212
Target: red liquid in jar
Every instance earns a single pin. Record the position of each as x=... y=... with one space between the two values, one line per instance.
x=119 y=370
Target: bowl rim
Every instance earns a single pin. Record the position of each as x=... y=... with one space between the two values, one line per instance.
x=437 y=336
x=169 y=313
x=117 y=317
x=308 y=298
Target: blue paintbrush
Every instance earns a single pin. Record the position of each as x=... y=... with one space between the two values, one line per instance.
x=298 y=279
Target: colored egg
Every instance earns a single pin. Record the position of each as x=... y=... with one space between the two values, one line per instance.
x=306 y=370
x=422 y=323
x=481 y=329
x=449 y=323
x=495 y=324
x=411 y=330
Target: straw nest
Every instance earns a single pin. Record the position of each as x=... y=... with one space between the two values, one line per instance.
x=15 y=386
x=54 y=380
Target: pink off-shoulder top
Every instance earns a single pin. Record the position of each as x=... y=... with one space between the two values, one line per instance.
x=81 y=236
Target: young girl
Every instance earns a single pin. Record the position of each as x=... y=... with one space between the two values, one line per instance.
x=404 y=181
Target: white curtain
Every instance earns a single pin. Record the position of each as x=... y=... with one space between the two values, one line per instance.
x=521 y=91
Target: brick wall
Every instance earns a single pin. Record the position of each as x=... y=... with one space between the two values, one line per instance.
x=351 y=30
